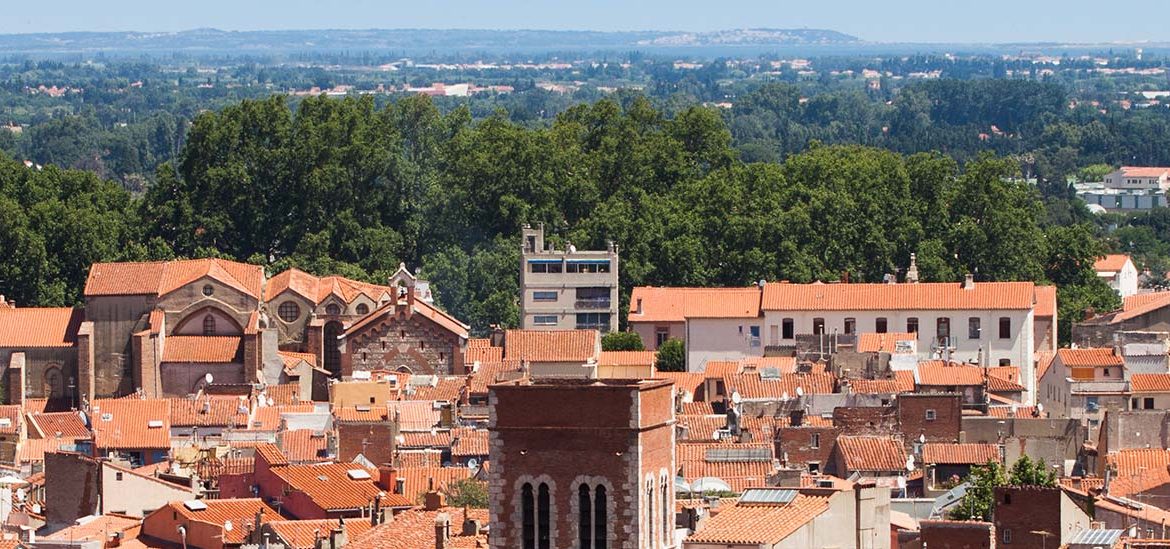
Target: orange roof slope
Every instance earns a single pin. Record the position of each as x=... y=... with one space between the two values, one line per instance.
x=759 y=524
x=209 y=411
x=872 y=453
x=1143 y=171
x=924 y=296
x=47 y=425
x=163 y=277
x=938 y=372
x=1150 y=383
x=678 y=304
x=1045 y=301
x=960 y=454
x=1089 y=358
x=903 y=382
x=304 y=534
x=552 y=346
x=1138 y=470
x=882 y=343
x=331 y=488
x=753 y=386
x=213 y=349
x=415 y=529
x=39 y=327
x=219 y=511
x=127 y=423
x=417 y=480
x=1140 y=304
x=1111 y=263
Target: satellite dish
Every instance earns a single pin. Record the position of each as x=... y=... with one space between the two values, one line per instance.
x=735 y=398
x=799 y=391
x=784 y=397
x=922 y=438
x=473 y=463
x=1039 y=406
x=208 y=378
x=910 y=463
x=400 y=439
x=227 y=526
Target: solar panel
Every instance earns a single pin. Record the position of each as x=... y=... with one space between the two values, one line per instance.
x=195 y=505
x=722 y=455
x=767 y=495
x=1102 y=538
x=770 y=373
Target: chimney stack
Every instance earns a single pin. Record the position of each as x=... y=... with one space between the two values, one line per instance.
x=912 y=272
x=387 y=477
x=434 y=500
x=638 y=310
x=969 y=282
x=442 y=530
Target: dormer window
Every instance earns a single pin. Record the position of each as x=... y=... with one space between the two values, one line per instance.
x=332 y=309
x=363 y=309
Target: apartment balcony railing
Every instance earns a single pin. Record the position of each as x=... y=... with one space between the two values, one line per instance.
x=596 y=304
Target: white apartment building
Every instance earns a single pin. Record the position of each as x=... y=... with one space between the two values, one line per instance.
x=1119 y=272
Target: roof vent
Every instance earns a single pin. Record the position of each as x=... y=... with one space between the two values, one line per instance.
x=107 y=417
x=155 y=424
x=322 y=478
x=363 y=375
x=362 y=408
x=5 y=422
x=195 y=505
x=358 y=474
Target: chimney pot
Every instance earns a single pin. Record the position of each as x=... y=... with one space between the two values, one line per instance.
x=639 y=307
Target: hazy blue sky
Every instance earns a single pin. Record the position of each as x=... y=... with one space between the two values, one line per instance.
x=879 y=20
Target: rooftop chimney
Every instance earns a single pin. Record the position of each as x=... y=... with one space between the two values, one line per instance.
x=387 y=477
x=912 y=272
x=442 y=530
x=434 y=501
x=969 y=282
x=638 y=310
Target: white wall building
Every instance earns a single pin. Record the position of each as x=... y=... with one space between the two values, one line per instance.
x=1119 y=271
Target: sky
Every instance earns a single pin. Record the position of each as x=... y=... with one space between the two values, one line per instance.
x=967 y=21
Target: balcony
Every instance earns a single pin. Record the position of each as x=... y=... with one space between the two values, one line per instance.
x=593 y=304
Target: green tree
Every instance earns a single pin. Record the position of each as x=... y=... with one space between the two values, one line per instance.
x=1026 y=472
x=979 y=502
x=672 y=356
x=622 y=341
x=467 y=492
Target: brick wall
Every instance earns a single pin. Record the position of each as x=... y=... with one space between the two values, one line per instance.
x=913 y=422
x=397 y=340
x=378 y=438
x=1019 y=511
x=946 y=534
x=72 y=487
x=797 y=444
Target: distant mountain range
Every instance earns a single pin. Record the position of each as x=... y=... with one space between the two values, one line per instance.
x=212 y=41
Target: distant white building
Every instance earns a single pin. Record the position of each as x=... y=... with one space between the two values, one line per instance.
x=1128 y=188
x=1119 y=272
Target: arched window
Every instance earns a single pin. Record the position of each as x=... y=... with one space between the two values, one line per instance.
x=363 y=309
x=288 y=311
x=585 y=517
x=332 y=309
x=332 y=351
x=208 y=325
x=528 y=518
x=599 y=518
x=543 y=517
x=650 y=532
x=667 y=512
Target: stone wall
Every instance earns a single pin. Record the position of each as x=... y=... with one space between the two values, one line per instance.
x=396 y=341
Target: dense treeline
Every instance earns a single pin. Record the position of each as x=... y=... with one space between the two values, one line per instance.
x=347 y=186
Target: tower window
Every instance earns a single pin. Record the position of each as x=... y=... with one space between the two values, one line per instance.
x=528 y=517
x=288 y=311
x=600 y=519
x=208 y=325
x=332 y=309
x=543 y=515
x=585 y=516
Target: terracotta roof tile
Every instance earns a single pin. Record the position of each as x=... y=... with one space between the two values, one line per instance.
x=1138 y=470
x=1004 y=379
x=163 y=277
x=14 y=416
x=678 y=304
x=1143 y=171
x=552 y=346
x=691 y=382
x=1111 y=263
x=212 y=349
x=923 y=296
x=422 y=308
x=882 y=343
x=214 y=467
x=98 y=528
x=219 y=511
x=697 y=408
x=420 y=458
x=941 y=373
x=1023 y=412
x=1150 y=383
x=331 y=488
x=752 y=386
x=414 y=415
x=483 y=353
x=492 y=372
x=1140 y=304
x=426 y=439
x=284 y=395
x=1044 y=361
x=872 y=453
x=303 y=445
x=1089 y=358
x=470 y=442
x=693 y=460
x=32 y=327
x=417 y=480
x=360 y=413
x=415 y=529
x=209 y=411
x=271 y=454
x=303 y=534
x=627 y=358
x=267 y=418
x=33 y=450
x=902 y=382
x=292 y=360
x=1045 y=301
x=763 y=525
x=446 y=388
x=127 y=423
x=960 y=454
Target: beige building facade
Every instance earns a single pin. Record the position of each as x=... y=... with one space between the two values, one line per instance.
x=567 y=289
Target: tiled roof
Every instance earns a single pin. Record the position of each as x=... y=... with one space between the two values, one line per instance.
x=161 y=278
x=209 y=411
x=302 y=445
x=714 y=369
x=959 y=454
x=32 y=327
x=98 y=529
x=902 y=382
x=284 y=395
x=214 y=467
x=627 y=358
x=416 y=480
x=1138 y=470
x=126 y=423
x=1111 y=263
x=447 y=388
x=213 y=349
x=483 y=353
x=872 y=453
x=923 y=296
x=1004 y=379
x=470 y=442
x=427 y=439
x=219 y=511
x=1140 y=304
x=759 y=524
x=1089 y=358
x=330 y=486
x=13 y=413
x=271 y=454
x=303 y=534
x=1143 y=171
x=419 y=458
x=32 y=450
x=752 y=386
x=552 y=346
x=697 y=408
x=940 y=373
x=317 y=289
x=1044 y=361
x=690 y=382
x=360 y=413
x=739 y=474
x=1082 y=484
x=414 y=415
x=678 y=304
x=415 y=529
x=1015 y=410
x=291 y=360
x=1045 y=302
x=491 y=372
x=882 y=343
x=1150 y=383
x=421 y=308
x=267 y=418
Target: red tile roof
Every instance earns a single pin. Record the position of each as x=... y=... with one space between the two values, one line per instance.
x=420 y=458
x=126 y=423
x=164 y=277
x=764 y=525
x=415 y=529
x=267 y=418
x=32 y=327
x=417 y=480
x=271 y=454
x=210 y=349
x=318 y=289
x=303 y=534
x=960 y=454
x=882 y=343
x=627 y=358
x=697 y=408
x=923 y=296
x=99 y=529
x=331 y=488
x=427 y=439
x=1150 y=383
x=902 y=382
x=552 y=346
x=68 y=424
x=491 y=372
x=446 y=388
x=1111 y=263
x=291 y=360
x=414 y=415
x=1143 y=171
x=302 y=445
x=284 y=395
x=421 y=308
x=33 y=450
x=690 y=382
x=940 y=373
x=678 y=304
x=1045 y=302
x=483 y=353
x=209 y=411
x=752 y=386
x=1004 y=379
x=1140 y=304
x=1138 y=470
x=1089 y=358
x=219 y=511
x=470 y=442
x=872 y=453
x=740 y=475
